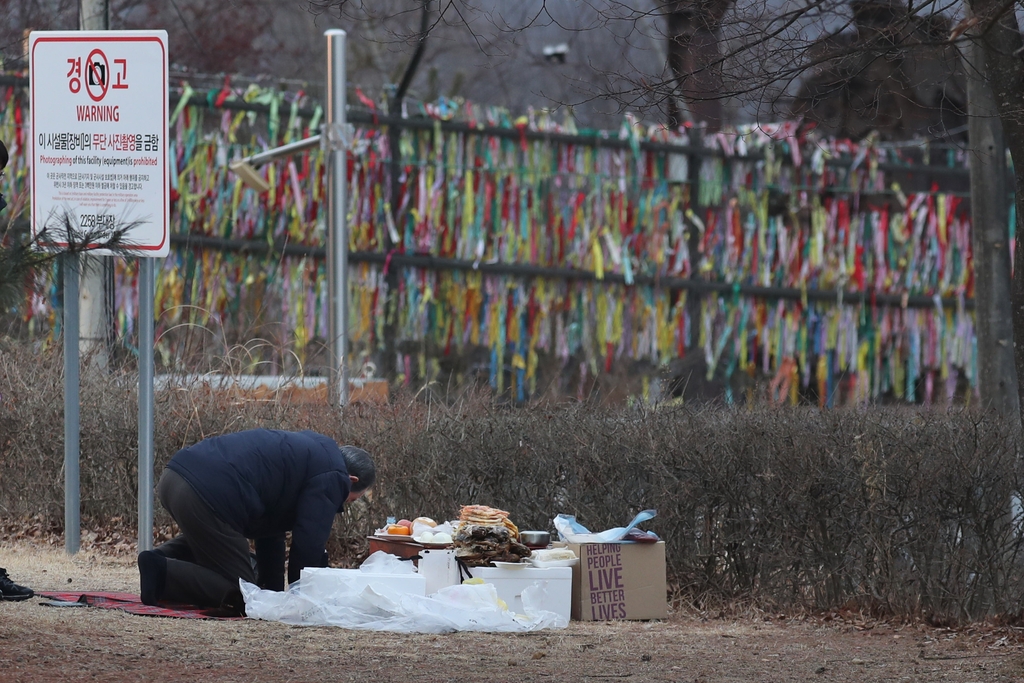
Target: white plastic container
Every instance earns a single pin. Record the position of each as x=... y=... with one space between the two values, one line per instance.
x=321 y=583
x=439 y=568
x=556 y=582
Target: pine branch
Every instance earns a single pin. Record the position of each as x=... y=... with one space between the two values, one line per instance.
x=22 y=255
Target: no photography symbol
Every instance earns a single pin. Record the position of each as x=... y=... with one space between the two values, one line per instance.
x=97 y=71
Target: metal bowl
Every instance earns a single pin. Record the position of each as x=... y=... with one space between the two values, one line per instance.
x=535 y=538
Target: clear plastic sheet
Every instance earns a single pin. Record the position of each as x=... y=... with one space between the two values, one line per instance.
x=455 y=608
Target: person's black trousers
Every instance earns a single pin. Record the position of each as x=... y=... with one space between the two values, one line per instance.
x=205 y=563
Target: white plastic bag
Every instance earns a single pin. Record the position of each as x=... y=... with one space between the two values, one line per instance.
x=381 y=562
x=573 y=532
x=419 y=529
x=454 y=608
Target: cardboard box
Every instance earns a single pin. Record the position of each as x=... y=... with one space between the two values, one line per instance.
x=619 y=581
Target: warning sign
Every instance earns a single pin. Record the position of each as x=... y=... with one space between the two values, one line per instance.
x=99 y=136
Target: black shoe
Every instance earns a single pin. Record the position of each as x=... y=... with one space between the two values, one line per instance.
x=234 y=605
x=12 y=591
x=152 y=576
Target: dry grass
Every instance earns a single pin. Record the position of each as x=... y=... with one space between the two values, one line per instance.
x=48 y=568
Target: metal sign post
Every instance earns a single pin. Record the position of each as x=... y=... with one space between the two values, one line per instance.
x=337 y=228
x=72 y=496
x=147 y=295
x=99 y=176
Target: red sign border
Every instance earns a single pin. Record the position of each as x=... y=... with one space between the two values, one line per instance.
x=32 y=99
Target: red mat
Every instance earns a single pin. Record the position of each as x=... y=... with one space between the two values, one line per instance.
x=127 y=602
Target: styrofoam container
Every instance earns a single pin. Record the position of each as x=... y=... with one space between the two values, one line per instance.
x=556 y=582
x=555 y=563
x=322 y=583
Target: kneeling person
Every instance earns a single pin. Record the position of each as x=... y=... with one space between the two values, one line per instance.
x=256 y=484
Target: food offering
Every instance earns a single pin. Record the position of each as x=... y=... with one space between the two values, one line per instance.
x=485 y=535
x=429 y=533
x=554 y=557
x=401 y=528
x=422 y=530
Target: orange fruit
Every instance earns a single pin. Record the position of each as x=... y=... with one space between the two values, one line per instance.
x=399 y=530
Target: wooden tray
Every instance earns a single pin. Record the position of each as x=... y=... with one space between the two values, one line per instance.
x=396 y=537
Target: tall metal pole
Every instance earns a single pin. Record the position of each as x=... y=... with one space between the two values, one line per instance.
x=337 y=228
x=72 y=496
x=997 y=376
x=147 y=295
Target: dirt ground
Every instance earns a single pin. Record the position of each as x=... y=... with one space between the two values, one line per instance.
x=40 y=643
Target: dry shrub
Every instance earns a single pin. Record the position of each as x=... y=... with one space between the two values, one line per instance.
x=899 y=511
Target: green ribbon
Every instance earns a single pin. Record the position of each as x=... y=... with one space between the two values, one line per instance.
x=186 y=95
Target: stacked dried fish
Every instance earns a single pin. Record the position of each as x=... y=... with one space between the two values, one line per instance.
x=486 y=535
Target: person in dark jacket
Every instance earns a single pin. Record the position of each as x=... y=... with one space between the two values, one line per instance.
x=8 y=589
x=257 y=484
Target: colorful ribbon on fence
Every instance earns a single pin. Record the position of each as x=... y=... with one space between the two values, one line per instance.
x=788 y=218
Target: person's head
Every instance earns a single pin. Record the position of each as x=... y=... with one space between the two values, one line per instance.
x=360 y=470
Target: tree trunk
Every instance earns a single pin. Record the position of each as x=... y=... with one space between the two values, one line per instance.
x=999 y=35
x=96 y=292
x=997 y=376
x=693 y=54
